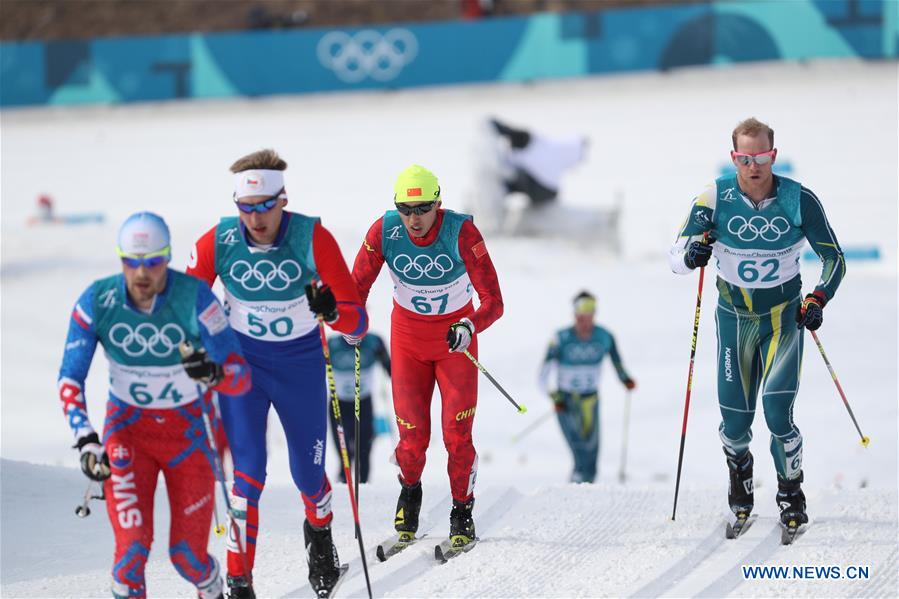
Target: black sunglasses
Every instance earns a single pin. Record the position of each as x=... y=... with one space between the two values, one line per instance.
x=407 y=210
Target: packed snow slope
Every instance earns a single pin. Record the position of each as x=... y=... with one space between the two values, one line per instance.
x=655 y=141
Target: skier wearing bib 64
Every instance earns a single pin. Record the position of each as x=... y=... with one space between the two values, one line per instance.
x=438 y=261
x=154 y=414
x=755 y=224
x=281 y=271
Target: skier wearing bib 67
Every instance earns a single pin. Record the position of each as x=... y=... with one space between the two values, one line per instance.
x=281 y=271
x=154 y=414
x=438 y=261
x=754 y=224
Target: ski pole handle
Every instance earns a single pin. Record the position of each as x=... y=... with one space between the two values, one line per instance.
x=521 y=408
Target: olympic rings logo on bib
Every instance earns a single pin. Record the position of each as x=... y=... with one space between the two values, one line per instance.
x=265 y=273
x=758 y=226
x=146 y=338
x=422 y=266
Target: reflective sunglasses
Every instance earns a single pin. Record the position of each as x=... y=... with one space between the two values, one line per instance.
x=260 y=207
x=149 y=260
x=760 y=159
x=407 y=210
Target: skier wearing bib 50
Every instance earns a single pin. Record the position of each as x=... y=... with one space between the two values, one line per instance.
x=154 y=414
x=270 y=262
x=757 y=223
x=438 y=261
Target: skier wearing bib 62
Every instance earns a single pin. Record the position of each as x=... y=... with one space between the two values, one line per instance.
x=438 y=261
x=281 y=271
x=154 y=414
x=754 y=224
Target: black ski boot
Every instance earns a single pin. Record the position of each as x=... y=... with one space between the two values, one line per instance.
x=407 y=508
x=462 y=523
x=321 y=555
x=791 y=501
x=239 y=587
x=740 y=490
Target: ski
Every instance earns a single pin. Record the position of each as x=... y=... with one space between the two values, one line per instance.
x=395 y=544
x=445 y=550
x=789 y=533
x=324 y=592
x=739 y=526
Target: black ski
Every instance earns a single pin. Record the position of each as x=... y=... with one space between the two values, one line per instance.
x=445 y=551
x=739 y=526
x=324 y=592
x=789 y=533
x=396 y=544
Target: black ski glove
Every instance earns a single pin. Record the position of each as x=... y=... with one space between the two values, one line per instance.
x=199 y=366
x=322 y=302
x=699 y=252
x=94 y=461
x=810 y=313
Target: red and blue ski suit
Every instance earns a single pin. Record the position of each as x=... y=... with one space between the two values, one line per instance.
x=266 y=304
x=154 y=416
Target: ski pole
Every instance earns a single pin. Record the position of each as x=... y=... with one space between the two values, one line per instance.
x=533 y=426
x=357 y=366
x=521 y=408
x=341 y=440
x=627 y=415
x=864 y=440
x=683 y=434
x=83 y=510
x=219 y=473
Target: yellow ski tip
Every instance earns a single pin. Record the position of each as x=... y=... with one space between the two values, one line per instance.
x=865 y=441
x=522 y=409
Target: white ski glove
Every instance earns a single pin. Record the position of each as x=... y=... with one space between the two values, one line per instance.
x=94 y=462
x=459 y=335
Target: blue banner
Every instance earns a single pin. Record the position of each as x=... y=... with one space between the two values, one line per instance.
x=541 y=46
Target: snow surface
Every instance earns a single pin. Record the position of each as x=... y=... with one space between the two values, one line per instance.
x=656 y=140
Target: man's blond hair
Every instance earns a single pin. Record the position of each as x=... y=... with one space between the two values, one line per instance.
x=753 y=127
x=263 y=159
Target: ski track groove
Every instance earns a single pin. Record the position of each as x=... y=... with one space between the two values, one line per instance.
x=608 y=527
x=733 y=576
x=682 y=568
x=885 y=579
x=356 y=571
x=425 y=561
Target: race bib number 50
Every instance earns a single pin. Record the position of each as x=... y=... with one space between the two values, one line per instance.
x=270 y=320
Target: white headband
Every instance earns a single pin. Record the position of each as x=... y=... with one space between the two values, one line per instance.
x=258 y=182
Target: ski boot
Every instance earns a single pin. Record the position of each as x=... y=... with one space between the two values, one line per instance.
x=461 y=523
x=791 y=501
x=239 y=587
x=321 y=555
x=740 y=490
x=408 y=507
